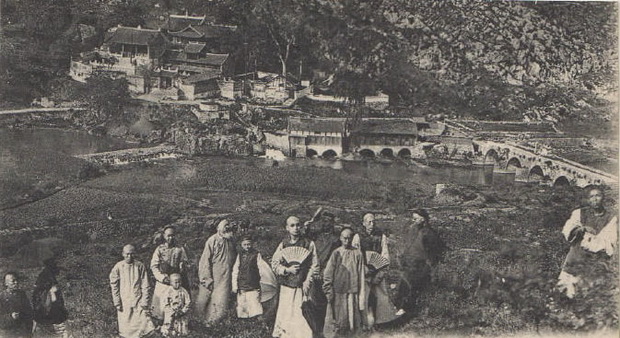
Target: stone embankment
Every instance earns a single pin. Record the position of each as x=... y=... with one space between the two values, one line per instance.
x=126 y=156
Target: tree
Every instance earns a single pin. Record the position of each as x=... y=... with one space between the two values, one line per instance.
x=284 y=21
x=106 y=97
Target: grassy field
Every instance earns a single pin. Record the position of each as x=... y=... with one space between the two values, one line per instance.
x=505 y=242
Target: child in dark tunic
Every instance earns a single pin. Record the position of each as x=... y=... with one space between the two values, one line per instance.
x=246 y=280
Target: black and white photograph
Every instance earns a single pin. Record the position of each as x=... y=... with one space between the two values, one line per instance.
x=309 y=168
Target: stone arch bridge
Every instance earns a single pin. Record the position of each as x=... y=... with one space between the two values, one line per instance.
x=530 y=165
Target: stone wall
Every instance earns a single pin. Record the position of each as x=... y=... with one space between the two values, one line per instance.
x=191 y=144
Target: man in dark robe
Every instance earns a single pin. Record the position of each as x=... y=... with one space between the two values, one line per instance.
x=378 y=307
x=423 y=250
x=15 y=310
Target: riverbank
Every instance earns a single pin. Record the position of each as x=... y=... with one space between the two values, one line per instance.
x=507 y=232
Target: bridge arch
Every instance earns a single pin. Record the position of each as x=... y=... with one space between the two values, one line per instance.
x=311 y=153
x=329 y=153
x=404 y=153
x=387 y=152
x=536 y=174
x=561 y=181
x=513 y=164
x=491 y=157
x=367 y=153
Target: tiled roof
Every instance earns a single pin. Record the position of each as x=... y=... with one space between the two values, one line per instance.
x=187 y=32
x=135 y=36
x=214 y=31
x=178 y=22
x=387 y=126
x=207 y=75
x=213 y=60
x=194 y=48
x=327 y=125
x=194 y=69
x=206 y=31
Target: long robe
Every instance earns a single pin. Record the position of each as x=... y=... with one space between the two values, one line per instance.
x=166 y=261
x=424 y=248
x=378 y=308
x=290 y=321
x=344 y=285
x=130 y=289
x=15 y=301
x=215 y=267
x=599 y=241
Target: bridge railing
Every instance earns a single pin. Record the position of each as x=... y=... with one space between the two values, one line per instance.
x=550 y=157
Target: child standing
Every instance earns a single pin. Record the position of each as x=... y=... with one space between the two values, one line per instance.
x=175 y=308
x=246 y=280
x=343 y=284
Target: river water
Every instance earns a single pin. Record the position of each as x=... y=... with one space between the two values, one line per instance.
x=34 y=142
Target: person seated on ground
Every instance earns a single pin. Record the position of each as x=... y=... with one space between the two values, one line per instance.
x=15 y=309
x=423 y=250
x=48 y=304
x=176 y=305
x=130 y=294
x=343 y=284
x=378 y=308
x=593 y=234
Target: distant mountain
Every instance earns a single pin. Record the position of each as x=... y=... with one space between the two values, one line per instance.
x=499 y=59
x=502 y=60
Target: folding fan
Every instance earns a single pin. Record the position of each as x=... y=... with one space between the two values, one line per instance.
x=295 y=254
x=375 y=260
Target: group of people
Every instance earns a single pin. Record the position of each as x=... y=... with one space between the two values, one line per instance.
x=317 y=285
x=45 y=316
x=312 y=296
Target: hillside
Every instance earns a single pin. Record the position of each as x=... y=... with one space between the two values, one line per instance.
x=484 y=59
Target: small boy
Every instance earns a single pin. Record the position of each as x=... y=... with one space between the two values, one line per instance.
x=176 y=306
x=343 y=284
x=246 y=280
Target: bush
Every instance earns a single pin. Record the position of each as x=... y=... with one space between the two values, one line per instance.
x=88 y=171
